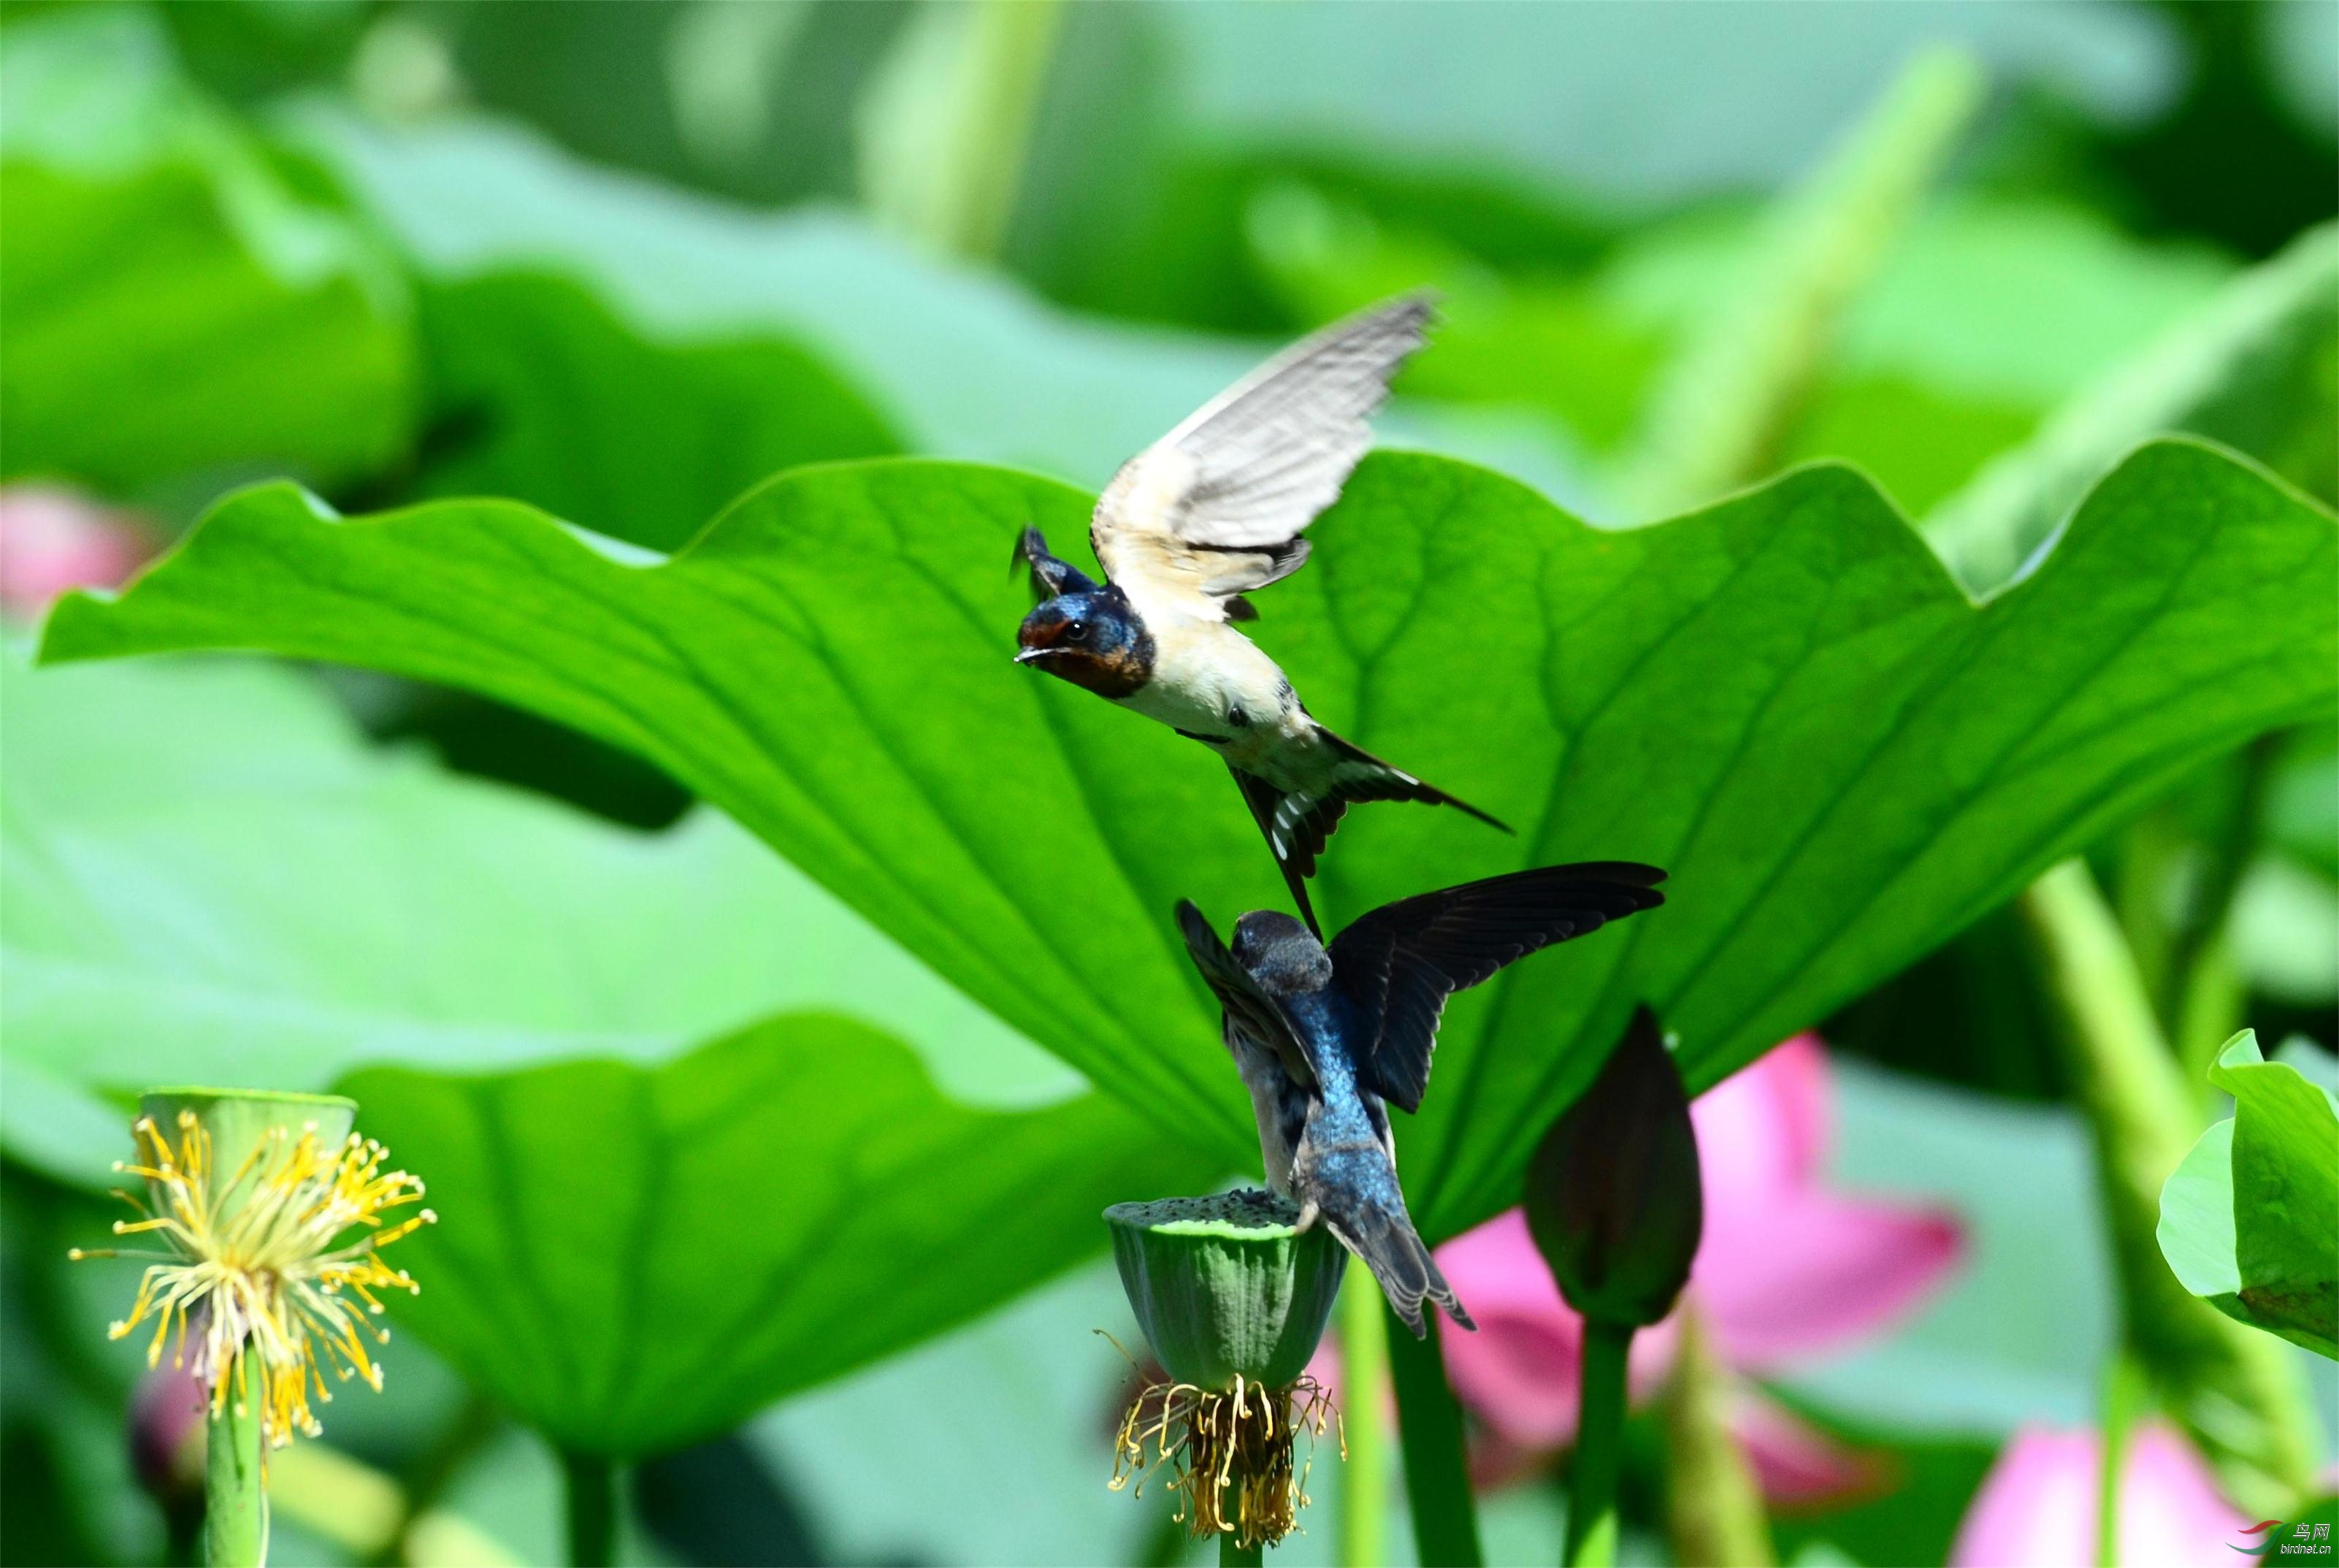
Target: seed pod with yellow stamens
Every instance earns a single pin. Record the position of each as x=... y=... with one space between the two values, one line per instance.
x=1233 y=1297
x=269 y=1214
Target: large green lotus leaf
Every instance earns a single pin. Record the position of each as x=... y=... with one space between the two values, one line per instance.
x=176 y=303
x=1782 y=698
x=633 y=1258
x=206 y=875
x=2250 y=1220
x=542 y=394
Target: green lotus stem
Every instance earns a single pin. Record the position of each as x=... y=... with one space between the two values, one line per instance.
x=1985 y=531
x=1599 y=1445
x=2123 y=1392
x=1714 y=1505
x=1722 y=415
x=235 y=1490
x=1232 y=1554
x=1364 y=1374
x=947 y=124
x=1437 y=1468
x=2228 y=1385
x=591 y=1483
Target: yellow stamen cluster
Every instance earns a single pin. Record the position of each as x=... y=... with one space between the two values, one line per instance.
x=253 y=1265
x=1228 y=1446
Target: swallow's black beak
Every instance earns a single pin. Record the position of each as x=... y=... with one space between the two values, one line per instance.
x=1026 y=655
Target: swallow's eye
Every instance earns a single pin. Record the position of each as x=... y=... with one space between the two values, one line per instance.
x=1076 y=631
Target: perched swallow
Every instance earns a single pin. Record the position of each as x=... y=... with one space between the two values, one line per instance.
x=1327 y=1039
x=1206 y=514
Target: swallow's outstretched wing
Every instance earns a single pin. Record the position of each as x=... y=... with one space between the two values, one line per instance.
x=1247 y=1006
x=1399 y=963
x=1296 y=822
x=1215 y=507
x=1050 y=576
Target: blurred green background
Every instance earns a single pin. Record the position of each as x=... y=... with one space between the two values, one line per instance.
x=624 y=260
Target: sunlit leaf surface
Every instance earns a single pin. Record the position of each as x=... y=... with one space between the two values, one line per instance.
x=1783 y=699
x=208 y=875
x=633 y=1258
x=175 y=301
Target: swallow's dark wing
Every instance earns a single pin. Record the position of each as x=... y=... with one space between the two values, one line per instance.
x=1399 y=963
x=1050 y=576
x=1247 y=1007
x=1215 y=507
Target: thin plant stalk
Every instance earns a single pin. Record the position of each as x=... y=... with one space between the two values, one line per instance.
x=946 y=128
x=2231 y=1388
x=1722 y=416
x=590 y=1481
x=1233 y=1553
x=1364 y=1376
x=2123 y=1393
x=1599 y=1445
x=1713 y=1504
x=235 y=1494
x=1436 y=1469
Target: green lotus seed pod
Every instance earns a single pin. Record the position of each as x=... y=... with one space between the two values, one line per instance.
x=237 y=1120
x=1226 y=1286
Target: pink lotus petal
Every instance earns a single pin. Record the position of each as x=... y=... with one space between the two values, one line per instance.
x=1763 y=1129
x=1496 y=1269
x=1518 y=1372
x=53 y=539
x=1324 y=1366
x=1787 y=1270
x=2037 y=1508
x=1800 y=1466
x=1819 y=1274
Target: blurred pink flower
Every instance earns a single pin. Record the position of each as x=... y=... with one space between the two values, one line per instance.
x=2037 y=1507
x=1787 y=1271
x=166 y=1432
x=53 y=539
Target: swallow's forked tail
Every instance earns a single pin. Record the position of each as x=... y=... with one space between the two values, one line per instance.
x=1383 y=1235
x=1296 y=822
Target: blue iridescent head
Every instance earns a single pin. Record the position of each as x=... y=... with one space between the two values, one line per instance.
x=1091 y=638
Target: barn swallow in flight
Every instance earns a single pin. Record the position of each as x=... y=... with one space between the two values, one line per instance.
x=1208 y=512
x=1327 y=1039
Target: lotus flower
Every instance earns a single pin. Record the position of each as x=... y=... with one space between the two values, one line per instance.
x=53 y=539
x=1789 y=1271
x=2039 y=1505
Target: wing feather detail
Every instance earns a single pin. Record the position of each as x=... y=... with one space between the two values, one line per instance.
x=1399 y=963
x=1215 y=507
x=1247 y=1005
